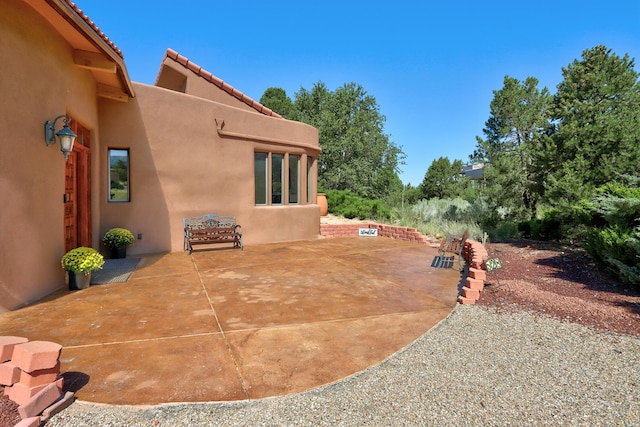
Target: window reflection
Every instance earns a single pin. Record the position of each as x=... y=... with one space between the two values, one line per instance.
x=119 y=175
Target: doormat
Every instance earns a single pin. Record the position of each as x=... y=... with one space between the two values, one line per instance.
x=442 y=262
x=114 y=271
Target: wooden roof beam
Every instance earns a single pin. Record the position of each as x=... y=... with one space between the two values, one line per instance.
x=93 y=61
x=111 y=92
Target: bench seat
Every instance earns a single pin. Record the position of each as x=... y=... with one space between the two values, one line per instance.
x=452 y=246
x=211 y=229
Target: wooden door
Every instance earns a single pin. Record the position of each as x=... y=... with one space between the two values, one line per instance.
x=77 y=197
x=70 y=206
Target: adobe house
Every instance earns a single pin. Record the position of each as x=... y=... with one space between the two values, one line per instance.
x=144 y=156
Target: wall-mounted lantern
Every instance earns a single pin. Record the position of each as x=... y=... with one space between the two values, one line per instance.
x=65 y=135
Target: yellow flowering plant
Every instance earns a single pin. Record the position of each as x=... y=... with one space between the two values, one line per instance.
x=82 y=259
x=117 y=237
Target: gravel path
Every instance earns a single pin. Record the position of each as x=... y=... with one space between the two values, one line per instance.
x=477 y=367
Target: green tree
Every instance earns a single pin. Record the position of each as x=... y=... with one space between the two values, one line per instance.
x=518 y=120
x=356 y=154
x=597 y=114
x=411 y=195
x=442 y=179
x=277 y=100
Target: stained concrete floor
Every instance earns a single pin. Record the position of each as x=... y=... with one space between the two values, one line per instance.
x=225 y=324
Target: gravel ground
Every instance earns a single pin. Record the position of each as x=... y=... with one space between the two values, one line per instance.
x=477 y=367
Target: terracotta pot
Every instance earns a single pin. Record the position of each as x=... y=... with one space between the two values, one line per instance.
x=79 y=280
x=322 y=202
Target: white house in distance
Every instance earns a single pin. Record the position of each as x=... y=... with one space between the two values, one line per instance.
x=474 y=171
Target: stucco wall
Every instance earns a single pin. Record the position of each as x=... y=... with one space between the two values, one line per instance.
x=181 y=166
x=38 y=82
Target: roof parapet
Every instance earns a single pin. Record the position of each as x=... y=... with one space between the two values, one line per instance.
x=201 y=72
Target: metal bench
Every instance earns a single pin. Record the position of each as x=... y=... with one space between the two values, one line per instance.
x=452 y=246
x=209 y=229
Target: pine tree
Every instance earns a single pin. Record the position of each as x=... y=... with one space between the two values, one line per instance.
x=597 y=115
x=518 y=119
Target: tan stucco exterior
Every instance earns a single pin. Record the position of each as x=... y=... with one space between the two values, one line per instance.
x=191 y=149
x=182 y=167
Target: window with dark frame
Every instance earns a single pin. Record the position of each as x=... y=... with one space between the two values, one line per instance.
x=309 y=179
x=260 y=161
x=119 y=188
x=277 y=179
x=294 y=179
x=272 y=170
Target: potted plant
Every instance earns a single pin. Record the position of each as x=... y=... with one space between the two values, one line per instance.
x=117 y=239
x=80 y=262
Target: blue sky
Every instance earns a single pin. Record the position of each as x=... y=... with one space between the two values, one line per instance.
x=431 y=65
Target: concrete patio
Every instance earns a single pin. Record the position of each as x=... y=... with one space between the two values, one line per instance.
x=225 y=325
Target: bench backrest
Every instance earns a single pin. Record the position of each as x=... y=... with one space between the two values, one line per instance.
x=209 y=221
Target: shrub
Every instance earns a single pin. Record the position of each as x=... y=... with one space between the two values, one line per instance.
x=117 y=238
x=349 y=205
x=612 y=219
x=505 y=230
x=443 y=209
x=82 y=259
x=549 y=227
x=448 y=217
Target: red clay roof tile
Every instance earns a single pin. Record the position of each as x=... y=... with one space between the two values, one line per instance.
x=206 y=75
x=201 y=72
x=95 y=28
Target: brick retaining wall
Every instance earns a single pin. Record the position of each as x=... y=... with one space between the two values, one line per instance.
x=475 y=254
x=389 y=231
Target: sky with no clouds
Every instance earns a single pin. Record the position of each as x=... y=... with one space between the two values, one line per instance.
x=432 y=66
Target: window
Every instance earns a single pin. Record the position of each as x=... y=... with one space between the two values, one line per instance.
x=277 y=178
x=261 y=178
x=294 y=179
x=119 y=175
x=272 y=171
x=309 y=179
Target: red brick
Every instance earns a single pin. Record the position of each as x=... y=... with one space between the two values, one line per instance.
x=29 y=422
x=40 y=377
x=477 y=247
x=58 y=406
x=9 y=373
x=21 y=394
x=470 y=293
x=474 y=283
x=476 y=264
x=478 y=258
x=6 y=346
x=477 y=273
x=36 y=355
x=466 y=301
x=40 y=401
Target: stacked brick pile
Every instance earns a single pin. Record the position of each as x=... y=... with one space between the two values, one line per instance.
x=475 y=254
x=30 y=373
x=389 y=231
